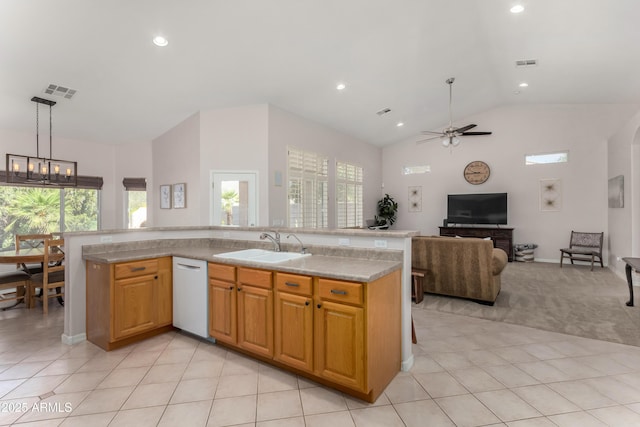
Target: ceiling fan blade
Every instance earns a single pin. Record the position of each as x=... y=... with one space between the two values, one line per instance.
x=464 y=128
x=429 y=132
x=475 y=133
x=422 y=141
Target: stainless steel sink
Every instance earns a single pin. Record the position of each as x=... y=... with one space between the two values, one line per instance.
x=261 y=255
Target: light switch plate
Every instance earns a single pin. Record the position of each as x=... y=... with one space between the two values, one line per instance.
x=344 y=242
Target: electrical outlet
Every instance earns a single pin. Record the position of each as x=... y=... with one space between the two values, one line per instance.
x=380 y=243
x=106 y=239
x=618 y=259
x=344 y=242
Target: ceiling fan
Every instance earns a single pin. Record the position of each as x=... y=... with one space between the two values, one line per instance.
x=449 y=135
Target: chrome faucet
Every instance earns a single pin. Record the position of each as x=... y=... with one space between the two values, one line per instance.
x=303 y=250
x=275 y=240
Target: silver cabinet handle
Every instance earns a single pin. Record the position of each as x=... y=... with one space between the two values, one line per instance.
x=293 y=285
x=138 y=269
x=338 y=292
x=188 y=267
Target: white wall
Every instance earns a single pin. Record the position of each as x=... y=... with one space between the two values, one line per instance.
x=234 y=139
x=132 y=161
x=288 y=129
x=176 y=159
x=517 y=130
x=624 y=225
x=251 y=138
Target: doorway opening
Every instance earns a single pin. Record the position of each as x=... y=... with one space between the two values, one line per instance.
x=234 y=198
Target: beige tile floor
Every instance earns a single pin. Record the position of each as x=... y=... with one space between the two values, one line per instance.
x=467 y=372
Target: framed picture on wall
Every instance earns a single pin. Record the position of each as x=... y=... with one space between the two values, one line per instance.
x=165 y=197
x=179 y=196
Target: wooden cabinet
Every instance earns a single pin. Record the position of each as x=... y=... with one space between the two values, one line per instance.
x=128 y=301
x=345 y=333
x=163 y=298
x=340 y=330
x=222 y=303
x=293 y=327
x=255 y=311
x=241 y=311
x=133 y=310
x=502 y=237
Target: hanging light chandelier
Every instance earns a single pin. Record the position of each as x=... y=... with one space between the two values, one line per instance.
x=41 y=170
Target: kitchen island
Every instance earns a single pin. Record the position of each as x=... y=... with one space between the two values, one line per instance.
x=334 y=319
x=346 y=251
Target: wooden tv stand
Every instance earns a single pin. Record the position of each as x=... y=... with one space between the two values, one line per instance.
x=502 y=237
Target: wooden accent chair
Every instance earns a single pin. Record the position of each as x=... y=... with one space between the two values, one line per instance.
x=583 y=247
x=52 y=276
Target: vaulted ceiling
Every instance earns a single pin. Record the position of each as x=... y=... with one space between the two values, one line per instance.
x=293 y=53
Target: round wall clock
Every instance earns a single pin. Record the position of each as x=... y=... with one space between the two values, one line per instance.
x=477 y=172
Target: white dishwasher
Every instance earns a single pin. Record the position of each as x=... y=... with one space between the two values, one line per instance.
x=190 y=302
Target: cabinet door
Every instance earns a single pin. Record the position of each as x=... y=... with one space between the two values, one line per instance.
x=340 y=344
x=134 y=310
x=294 y=330
x=222 y=311
x=255 y=319
x=164 y=293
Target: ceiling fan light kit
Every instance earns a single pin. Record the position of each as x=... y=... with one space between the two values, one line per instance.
x=450 y=136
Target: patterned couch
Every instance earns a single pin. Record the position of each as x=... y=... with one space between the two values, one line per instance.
x=462 y=267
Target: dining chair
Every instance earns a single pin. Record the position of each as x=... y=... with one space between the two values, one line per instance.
x=31 y=241
x=52 y=276
x=17 y=282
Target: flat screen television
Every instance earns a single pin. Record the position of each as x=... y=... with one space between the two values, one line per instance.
x=490 y=208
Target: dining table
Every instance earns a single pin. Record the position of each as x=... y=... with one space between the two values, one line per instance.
x=26 y=256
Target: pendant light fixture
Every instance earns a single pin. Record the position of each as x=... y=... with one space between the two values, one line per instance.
x=41 y=170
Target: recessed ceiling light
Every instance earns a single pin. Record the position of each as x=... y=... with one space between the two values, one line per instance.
x=160 y=41
x=517 y=8
x=524 y=84
x=341 y=86
x=399 y=124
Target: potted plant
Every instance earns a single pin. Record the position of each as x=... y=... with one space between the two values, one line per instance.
x=387 y=212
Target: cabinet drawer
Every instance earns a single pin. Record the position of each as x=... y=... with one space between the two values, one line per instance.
x=222 y=272
x=294 y=283
x=259 y=278
x=337 y=290
x=136 y=268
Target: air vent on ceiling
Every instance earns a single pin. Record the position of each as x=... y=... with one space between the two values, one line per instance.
x=384 y=111
x=526 y=63
x=61 y=91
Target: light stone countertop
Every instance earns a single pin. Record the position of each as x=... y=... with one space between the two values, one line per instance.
x=335 y=267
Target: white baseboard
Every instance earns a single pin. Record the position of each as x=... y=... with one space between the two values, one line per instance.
x=73 y=339
x=557 y=261
x=407 y=364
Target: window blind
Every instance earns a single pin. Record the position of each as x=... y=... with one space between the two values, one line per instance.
x=308 y=183
x=349 y=195
x=135 y=184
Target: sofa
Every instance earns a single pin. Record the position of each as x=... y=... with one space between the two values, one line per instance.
x=461 y=267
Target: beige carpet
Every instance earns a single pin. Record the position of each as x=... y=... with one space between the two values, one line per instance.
x=572 y=300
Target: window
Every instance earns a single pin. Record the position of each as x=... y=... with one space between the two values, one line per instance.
x=307 y=189
x=135 y=202
x=546 y=158
x=349 y=195
x=411 y=170
x=35 y=210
